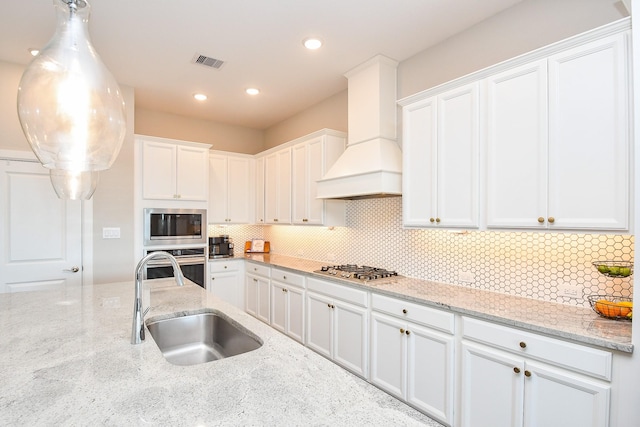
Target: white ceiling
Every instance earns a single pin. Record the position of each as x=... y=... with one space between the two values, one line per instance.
x=149 y=45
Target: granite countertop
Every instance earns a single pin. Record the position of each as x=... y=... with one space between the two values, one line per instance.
x=66 y=359
x=577 y=324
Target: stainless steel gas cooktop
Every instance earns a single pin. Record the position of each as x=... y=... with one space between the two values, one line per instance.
x=352 y=271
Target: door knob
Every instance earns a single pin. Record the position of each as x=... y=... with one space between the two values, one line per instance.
x=73 y=269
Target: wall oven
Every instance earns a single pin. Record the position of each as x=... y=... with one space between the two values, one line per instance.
x=175 y=226
x=192 y=262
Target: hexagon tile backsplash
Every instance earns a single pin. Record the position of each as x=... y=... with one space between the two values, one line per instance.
x=530 y=264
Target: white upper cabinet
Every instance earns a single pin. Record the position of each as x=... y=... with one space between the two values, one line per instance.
x=230 y=188
x=516 y=147
x=441 y=137
x=558 y=143
x=174 y=170
x=277 y=187
x=310 y=160
x=259 y=189
x=540 y=142
x=589 y=156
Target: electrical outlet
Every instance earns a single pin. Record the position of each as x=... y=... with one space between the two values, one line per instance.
x=466 y=277
x=570 y=291
x=331 y=257
x=111 y=232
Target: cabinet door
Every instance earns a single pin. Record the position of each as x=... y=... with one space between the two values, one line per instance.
x=388 y=354
x=554 y=398
x=295 y=312
x=264 y=300
x=158 y=170
x=260 y=190
x=516 y=192
x=251 y=295
x=299 y=184
x=458 y=157
x=279 y=306
x=315 y=155
x=491 y=393
x=192 y=179
x=419 y=150
x=430 y=363
x=278 y=187
x=225 y=286
x=238 y=190
x=589 y=156
x=350 y=337
x=319 y=324
x=217 y=189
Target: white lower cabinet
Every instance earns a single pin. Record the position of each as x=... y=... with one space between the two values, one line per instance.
x=337 y=324
x=225 y=281
x=514 y=378
x=287 y=303
x=410 y=359
x=257 y=291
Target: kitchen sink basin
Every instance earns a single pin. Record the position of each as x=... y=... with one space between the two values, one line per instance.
x=199 y=338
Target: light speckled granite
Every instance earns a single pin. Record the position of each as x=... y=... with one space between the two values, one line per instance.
x=65 y=359
x=578 y=324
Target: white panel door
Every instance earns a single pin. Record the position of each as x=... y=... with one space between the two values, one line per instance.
x=458 y=157
x=192 y=173
x=350 y=337
x=388 y=354
x=554 y=397
x=419 y=151
x=238 y=190
x=218 y=187
x=491 y=391
x=42 y=234
x=516 y=158
x=589 y=155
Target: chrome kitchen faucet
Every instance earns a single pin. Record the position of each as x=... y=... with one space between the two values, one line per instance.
x=137 y=328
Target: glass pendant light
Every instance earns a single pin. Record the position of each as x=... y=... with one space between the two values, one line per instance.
x=70 y=107
x=74 y=185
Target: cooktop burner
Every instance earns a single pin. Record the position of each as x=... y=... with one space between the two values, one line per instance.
x=360 y=272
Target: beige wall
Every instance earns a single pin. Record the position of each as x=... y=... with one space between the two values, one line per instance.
x=11 y=136
x=221 y=136
x=527 y=26
x=113 y=207
x=330 y=113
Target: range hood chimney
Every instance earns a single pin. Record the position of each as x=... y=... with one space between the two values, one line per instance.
x=371 y=165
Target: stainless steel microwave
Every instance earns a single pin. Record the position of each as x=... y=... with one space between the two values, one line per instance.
x=175 y=226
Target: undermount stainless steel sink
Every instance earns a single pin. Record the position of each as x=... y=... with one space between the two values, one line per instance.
x=202 y=337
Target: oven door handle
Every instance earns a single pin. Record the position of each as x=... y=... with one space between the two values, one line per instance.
x=181 y=261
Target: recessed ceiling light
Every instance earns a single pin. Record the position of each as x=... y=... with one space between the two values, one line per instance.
x=312 y=43
x=200 y=96
x=252 y=91
x=33 y=51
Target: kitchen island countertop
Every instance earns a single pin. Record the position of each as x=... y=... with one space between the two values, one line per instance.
x=579 y=324
x=66 y=359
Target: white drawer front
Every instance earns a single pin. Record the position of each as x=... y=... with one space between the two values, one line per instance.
x=287 y=277
x=224 y=266
x=259 y=269
x=343 y=292
x=417 y=313
x=575 y=357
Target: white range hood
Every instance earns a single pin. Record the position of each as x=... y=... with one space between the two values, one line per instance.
x=371 y=165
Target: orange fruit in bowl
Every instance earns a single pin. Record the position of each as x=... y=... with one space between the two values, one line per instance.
x=626 y=307
x=607 y=308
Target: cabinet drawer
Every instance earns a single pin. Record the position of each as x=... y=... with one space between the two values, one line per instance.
x=224 y=266
x=258 y=269
x=287 y=277
x=343 y=292
x=417 y=313
x=575 y=357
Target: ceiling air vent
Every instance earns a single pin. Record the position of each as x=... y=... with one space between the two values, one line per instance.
x=207 y=61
